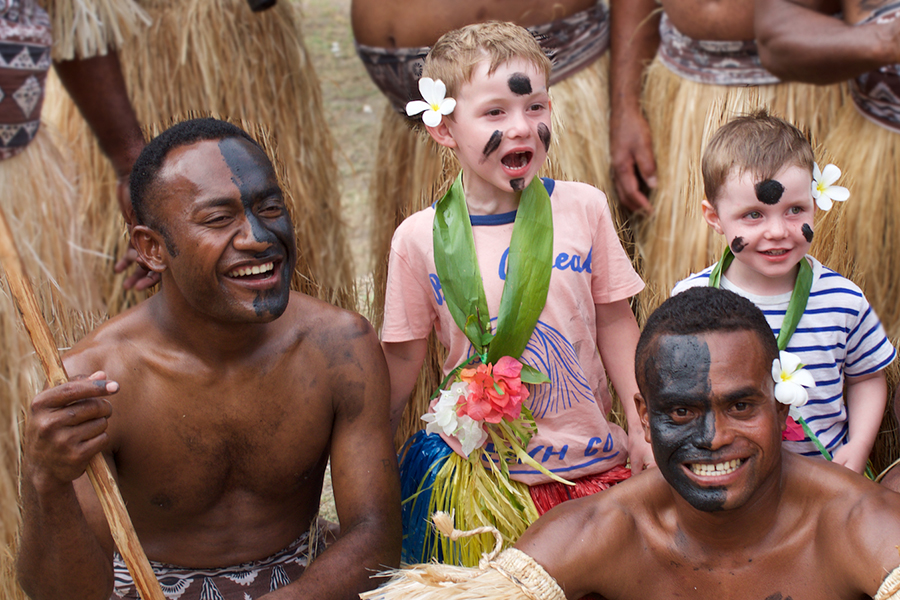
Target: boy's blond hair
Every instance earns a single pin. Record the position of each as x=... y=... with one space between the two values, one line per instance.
x=758 y=143
x=453 y=58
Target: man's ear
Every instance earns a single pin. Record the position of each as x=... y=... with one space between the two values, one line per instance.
x=711 y=216
x=641 y=406
x=441 y=134
x=783 y=410
x=150 y=247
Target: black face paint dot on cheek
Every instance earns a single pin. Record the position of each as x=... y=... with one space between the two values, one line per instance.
x=544 y=134
x=517 y=184
x=492 y=144
x=519 y=84
x=737 y=244
x=807 y=232
x=769 y=191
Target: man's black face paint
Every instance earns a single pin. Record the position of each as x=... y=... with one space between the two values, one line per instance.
x=769 y=191
x=517 y=184
x=255 y=178
x=737 y=244
x=544 y=134
x=682 y=419
x=492 y=144
x=807 y=232
x=519 y=84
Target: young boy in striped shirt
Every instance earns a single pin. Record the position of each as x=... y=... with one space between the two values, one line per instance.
x=758 y=176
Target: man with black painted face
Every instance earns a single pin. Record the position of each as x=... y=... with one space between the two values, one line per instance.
x=217 y=402
x=729 y=513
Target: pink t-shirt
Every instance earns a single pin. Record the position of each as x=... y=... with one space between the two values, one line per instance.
x=590 y=267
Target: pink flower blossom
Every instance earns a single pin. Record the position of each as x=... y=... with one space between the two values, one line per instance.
x=793 y=432
x=495 y=392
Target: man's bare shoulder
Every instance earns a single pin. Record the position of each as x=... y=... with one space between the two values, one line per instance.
x=111 y=344
x=329 y=326
x=608 y=528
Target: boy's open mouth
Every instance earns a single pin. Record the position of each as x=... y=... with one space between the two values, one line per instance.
x=517 y=160
x=252 y=272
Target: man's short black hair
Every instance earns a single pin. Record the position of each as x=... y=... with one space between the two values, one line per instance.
x=146 y=168
x=703 y=310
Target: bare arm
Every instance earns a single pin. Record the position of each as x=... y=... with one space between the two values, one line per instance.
x=365 y=477
x=98 y=89
x=617 y=337
x=797 y=41
x=65 y=552
x=866 y=399
x=633 y=44
x=404 y=361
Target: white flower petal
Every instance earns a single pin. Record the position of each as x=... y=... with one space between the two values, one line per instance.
x=447 y=106
x=789 y=361
x=788 y=392
x=803 y=377
x=824 y=202
x=794 y=413
x=817 y=174
x=439 y=92
x=776 y=370
x=831 y=174
x=415 y=107
x=837 y=193
x=426 y=88
x=431 y=118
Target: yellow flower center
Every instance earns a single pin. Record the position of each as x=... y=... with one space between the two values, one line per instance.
x=435 y=107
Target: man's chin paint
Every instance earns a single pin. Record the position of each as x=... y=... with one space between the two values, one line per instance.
x=253 y=174
x=677 y=376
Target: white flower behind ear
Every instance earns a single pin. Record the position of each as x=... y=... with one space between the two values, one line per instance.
x=823 y=189
x=435 y=104
x=791 y=379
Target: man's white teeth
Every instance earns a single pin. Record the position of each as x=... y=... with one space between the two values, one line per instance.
x=716 y=470
x=254 y=270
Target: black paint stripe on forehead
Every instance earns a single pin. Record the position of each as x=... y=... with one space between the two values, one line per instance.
x=769 y=191
x=519 y=84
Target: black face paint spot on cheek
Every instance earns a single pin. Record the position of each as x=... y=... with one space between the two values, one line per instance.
x=807 y=232
x=737 y=244
x=769 y=191
x=517 y=184
x=519 y=84
x=544 y=134
x=492 y=144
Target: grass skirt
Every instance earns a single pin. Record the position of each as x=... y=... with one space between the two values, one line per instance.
x=39 y=202
x=215 y=57
x=417 y=171
x=434 y=478
x=676 y=241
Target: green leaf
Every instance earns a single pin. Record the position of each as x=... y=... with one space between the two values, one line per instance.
x=533 y=376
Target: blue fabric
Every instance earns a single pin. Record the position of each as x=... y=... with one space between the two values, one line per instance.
x=421 y=458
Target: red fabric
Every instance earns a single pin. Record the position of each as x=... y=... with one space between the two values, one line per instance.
x=548 y=495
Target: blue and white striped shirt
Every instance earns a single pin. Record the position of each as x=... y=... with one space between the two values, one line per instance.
x=839 y=334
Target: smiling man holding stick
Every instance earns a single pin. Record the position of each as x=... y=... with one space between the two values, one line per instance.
x=217 y=403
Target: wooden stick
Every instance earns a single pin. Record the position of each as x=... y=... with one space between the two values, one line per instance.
x=98 y=471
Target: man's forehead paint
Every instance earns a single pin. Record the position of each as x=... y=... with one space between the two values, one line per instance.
x=519 y=84
x=737 y=244
x=807 y=232
x=769 y=191
x=492 y=144
x=544 y=134
x=683 y=362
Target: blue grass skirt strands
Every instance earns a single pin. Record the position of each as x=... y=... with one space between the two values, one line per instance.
x=421 y=458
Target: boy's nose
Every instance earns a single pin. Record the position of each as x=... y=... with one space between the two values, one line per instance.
x=776 y=229
x=517 y=125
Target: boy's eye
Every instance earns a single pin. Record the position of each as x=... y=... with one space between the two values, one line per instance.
x=536 y=107
x=754 y=214
x=494 y=113
x=796 y=210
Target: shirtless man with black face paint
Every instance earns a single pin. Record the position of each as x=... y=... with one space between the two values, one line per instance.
x=728 y=513
x=217 y=403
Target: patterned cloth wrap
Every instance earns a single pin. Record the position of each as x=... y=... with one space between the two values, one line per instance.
x=24 y=60
x=877 y=93
x=726 y=63
x=572 y=44
x=246 y=581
